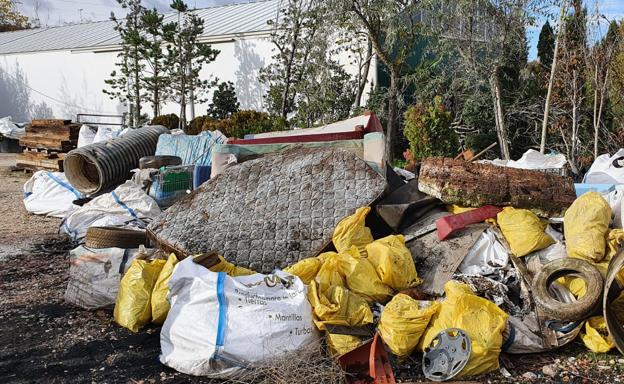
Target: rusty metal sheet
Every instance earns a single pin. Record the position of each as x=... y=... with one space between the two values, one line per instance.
x=273 y=211
x=475 y=185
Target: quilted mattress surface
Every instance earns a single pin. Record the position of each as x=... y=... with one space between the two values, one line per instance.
x=273 y=211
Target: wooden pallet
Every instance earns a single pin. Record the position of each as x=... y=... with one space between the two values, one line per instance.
x=39 y=160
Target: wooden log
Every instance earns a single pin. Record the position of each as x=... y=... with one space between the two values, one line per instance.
x=474 y=185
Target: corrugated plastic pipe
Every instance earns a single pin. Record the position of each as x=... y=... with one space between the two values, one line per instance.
x=101 y=166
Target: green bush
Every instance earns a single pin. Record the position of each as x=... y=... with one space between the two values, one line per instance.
x=428 y=130
x=196 y=125
x=171 y=121
x=245 y=122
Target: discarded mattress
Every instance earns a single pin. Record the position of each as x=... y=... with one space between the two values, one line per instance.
x=270 y=212
x=192 y=149
x=475 y=185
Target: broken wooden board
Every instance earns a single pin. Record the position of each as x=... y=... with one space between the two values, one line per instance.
x=40 y=161
x=49 y=122
x=475 y=185
x=436 y=261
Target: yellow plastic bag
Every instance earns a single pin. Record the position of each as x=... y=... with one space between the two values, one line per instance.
x=305 y=269
x=361 y=277
x=482 y=321
x=338 y=306
x=353 y=231
x=340 y=344
x=403 y=321
x=523 y=230
x=230 y=269
x=576 y=285
x=614 y=239
x=596 y=337
x=329 y=272
x=159 y=302
x=133 y=307
x=393 y=262
x=586 y=226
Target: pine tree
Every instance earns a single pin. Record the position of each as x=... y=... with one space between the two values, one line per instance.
x=10 y=18
x=154 y=82
x=224 y=102
x=185 y=58
x=546 y=45
x=125 y=84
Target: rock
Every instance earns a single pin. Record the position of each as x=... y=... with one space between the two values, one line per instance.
x=529 y=376
x=505 y=372
x=620 y=361
x=571 y=359
x=550 y=370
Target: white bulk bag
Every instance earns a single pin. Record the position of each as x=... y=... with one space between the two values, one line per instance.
x=49 y=193
x=218 y=324
x=95 y=274
x=606 y=169
x=86 y=135
x=128 y=202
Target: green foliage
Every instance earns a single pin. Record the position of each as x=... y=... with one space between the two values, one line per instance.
x=171 y=121
x=125 y=83
x=224 y=101
x=428 y=130
x=546 y=45
x=302 y=79
x=196 y=125
x=185 y=58
x=154 y=80
x=245 y=122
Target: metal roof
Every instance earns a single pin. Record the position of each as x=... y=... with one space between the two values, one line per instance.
x=220 y=21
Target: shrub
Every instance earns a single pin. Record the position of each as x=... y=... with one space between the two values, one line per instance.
x=245 y=122
x=224 y=102
x=171 y=121
x=196 y=125
x=428 y=130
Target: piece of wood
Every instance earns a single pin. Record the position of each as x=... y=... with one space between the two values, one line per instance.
x=436 y=261
x=49 y=122
x=475 y=185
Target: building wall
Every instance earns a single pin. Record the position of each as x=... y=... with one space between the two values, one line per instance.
x=61 y=84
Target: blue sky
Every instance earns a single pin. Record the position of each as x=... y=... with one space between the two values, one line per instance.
x=55 y=12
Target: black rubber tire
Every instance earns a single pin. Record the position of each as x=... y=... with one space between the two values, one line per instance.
x=158 y=161
x=576 y=310
x=108 y=237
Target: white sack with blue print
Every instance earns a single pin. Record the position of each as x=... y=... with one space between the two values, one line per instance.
x=127 y=205
x=218 y=325
x=50 y=194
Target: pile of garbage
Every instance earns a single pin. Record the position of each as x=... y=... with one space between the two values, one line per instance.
x=310 y=240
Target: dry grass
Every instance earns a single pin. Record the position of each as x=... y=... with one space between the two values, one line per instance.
x=312 y=365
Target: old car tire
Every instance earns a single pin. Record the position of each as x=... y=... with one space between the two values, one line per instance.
x=576 y=310
x=108 y=237
x=158 y=161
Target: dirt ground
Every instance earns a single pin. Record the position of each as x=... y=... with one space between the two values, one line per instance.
x=43 y=339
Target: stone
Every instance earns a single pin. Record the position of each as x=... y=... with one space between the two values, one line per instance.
x=550 y=370
x=529 y=376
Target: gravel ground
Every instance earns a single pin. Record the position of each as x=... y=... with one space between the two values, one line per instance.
x=43 y=339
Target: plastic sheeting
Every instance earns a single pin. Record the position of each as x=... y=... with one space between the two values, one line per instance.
x=485 y=257
x=10 y=129
x=533 y=159
x=192 y=149
x=126 y=203
x=49 y=193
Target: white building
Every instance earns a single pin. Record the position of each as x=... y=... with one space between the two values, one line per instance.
x=60 y=71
